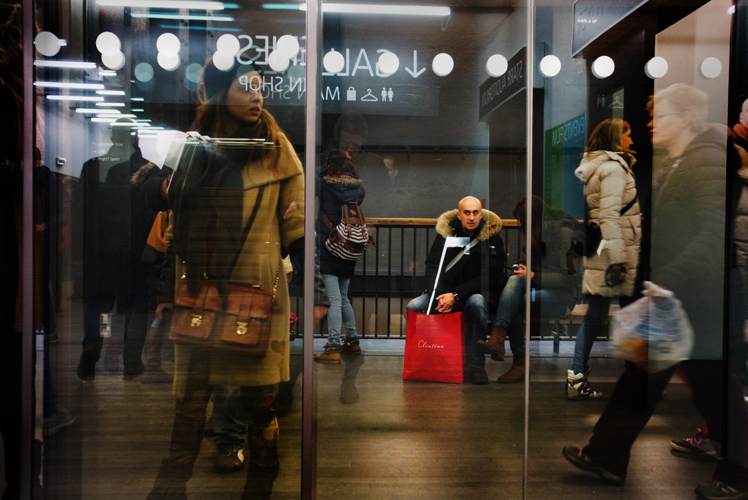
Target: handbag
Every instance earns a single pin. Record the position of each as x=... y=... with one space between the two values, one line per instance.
x=237 y=320
x=226 y=315
x=349 y=239
x=435 y=348
x=653 y=332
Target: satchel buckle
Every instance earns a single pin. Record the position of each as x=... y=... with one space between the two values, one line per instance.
x=241 y=328
x=196 y=320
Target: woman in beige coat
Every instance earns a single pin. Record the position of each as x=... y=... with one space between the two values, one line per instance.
x=220 y=181
x=610 y=196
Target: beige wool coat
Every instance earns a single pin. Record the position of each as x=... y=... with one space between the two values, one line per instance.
x=610 y=185
x=259 y=263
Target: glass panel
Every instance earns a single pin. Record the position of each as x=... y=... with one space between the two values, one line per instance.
x=421 y=105
x=654 y=178
x=129 y=92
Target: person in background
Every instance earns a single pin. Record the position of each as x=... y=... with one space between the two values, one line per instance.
x=553 y=280
x=688 y=248
x=461 y=286
x=338 y=186
x=116 y=222
x=610 y=272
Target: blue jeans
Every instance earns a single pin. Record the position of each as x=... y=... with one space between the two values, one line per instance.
x=597 y=310
x=229 y=419
x=475 y=311
x=509 y=314
x=340 y=312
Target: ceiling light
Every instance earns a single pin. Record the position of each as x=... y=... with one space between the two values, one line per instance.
x=102 y=120
x=95 y=111
x=43 y=63
x=181 y=17
x=107 y=72
x=110 y=92
x=111 y=104
x=68 y=85
x=344 y=8
x=137 y=99
x=75 y=98
x=163 y=4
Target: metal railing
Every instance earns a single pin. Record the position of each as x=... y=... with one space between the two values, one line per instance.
x=392 y=273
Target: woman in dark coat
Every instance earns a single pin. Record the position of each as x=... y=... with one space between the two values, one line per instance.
x=338 y=184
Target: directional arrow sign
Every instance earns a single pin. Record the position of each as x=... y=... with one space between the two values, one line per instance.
x=415 y=72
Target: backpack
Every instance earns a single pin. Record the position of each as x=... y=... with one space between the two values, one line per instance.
x=350 y=238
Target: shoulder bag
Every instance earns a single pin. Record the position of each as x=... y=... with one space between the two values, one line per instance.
x=225 y=315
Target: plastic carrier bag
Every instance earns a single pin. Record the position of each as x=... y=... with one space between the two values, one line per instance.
x=653 y=332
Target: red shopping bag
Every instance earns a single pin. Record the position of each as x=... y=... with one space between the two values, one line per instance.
x=435 y=348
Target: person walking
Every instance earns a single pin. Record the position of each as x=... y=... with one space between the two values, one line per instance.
x=610 y=271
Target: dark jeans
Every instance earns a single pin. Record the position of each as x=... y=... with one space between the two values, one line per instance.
x=136 y=326
x=475 y=311
x=597 y=310
x=510 y=313
x=635 y=397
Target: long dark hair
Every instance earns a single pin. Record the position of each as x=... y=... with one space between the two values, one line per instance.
x=607 y=137
x=210 y=119
x=338 y=164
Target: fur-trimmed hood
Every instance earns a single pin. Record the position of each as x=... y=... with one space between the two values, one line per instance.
x=490 y=224
x=342 y=179
x=143 y=173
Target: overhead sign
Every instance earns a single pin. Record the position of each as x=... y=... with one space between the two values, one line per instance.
x=592 y=18
x=496 y=91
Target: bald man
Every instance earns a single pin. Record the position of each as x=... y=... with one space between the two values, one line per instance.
x=473 y=283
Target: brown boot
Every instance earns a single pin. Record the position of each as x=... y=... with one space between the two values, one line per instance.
x=496 y=345
x=516 y=373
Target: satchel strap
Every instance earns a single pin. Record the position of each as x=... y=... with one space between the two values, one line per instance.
x=247 y=227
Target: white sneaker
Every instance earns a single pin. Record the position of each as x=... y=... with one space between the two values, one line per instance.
x=578 y=387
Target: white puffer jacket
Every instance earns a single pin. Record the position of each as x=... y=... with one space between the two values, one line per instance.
x=610 y=186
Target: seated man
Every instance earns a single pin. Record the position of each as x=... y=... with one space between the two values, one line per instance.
x=473 y=281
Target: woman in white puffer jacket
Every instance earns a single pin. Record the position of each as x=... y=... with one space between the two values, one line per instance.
x=610 y=194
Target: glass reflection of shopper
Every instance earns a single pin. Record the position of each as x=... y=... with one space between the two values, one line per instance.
x=213 y=194
x=553 y=279
x=338 y=185
x=688 y=258
x=610 y=197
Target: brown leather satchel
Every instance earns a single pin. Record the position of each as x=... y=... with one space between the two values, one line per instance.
x=244 y=325
x=236 y=320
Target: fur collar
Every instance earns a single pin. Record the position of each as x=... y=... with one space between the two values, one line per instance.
x=342 y=180
x=491 y=224
x=143 y=172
